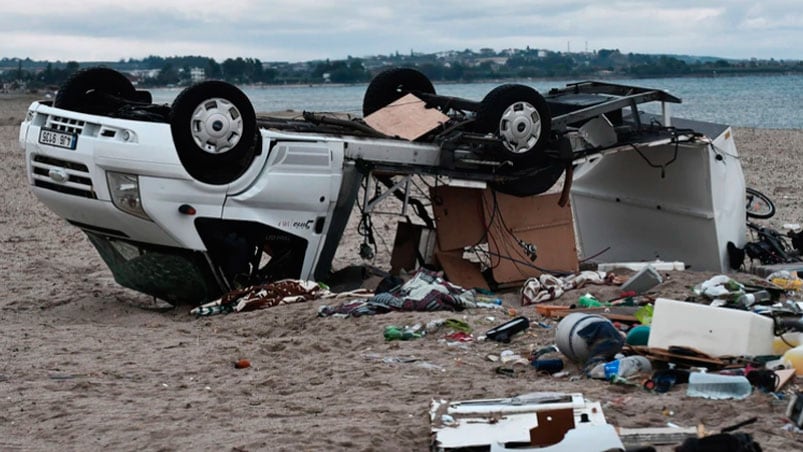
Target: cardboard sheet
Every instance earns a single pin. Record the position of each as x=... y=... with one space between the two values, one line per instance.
x=468 y=216
x=407 y=117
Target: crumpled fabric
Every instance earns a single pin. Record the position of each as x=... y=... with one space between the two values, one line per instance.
x=426 y=291
x=604 y=341
x=262 y=296
x=549 y=287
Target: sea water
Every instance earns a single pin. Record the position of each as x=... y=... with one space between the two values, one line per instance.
x=772 y=101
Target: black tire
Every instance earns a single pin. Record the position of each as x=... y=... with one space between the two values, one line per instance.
x=391 y=85
x=533 y=184
x=214 y=130
x=758 y=205
x=519 y=116
x=85 y=89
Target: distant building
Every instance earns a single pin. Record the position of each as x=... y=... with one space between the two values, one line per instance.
x=197 y=74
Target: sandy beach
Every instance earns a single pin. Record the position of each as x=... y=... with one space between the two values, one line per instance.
x=86 y=364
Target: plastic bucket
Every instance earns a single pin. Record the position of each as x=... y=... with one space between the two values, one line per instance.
x=568 y=341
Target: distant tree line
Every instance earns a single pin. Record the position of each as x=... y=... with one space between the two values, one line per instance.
x=459 y=66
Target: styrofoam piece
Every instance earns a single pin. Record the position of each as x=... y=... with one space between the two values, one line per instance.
x=711 y=330
x=644 y=280
x=637 y=266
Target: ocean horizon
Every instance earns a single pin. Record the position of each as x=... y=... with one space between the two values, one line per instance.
x=762 y=101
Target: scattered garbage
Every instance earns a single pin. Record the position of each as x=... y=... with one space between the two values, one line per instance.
x=663 y=380
x=588 y=338
x=638 y=335
x=644 y=314
x=550 y=365
x=720 y=287
x=625 y=367
x=644 y=280
x=549 y=287
x=395 y=333
x=794 y=358
x=242 y=363
x=712 y=330
x=716 y=386
x=543 y=421
x=749 y=299
x=794 y=411
x=590 y=301
x=786 y=280
x=504 y=332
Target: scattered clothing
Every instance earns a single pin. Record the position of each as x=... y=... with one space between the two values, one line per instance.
x=426 y=291
x=262 y=296
x=549 y=287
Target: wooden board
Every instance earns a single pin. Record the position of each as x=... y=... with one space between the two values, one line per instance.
x=537 y=220
x=460 y=271
x=407 y=117
x=458 y=214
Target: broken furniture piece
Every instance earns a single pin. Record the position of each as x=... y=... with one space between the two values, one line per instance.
x=547 y=422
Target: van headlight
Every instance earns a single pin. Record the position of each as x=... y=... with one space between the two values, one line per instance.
x=124 y=190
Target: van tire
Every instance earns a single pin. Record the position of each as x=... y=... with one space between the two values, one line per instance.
x=85 y=90
x=519 y=116
x=213 y=125
x=391 y=85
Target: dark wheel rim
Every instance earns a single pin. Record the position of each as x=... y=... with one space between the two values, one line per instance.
x=214 y=131
x=519 y=116
x=391 y=85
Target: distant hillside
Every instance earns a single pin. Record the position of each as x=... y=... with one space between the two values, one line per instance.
x=460 y=66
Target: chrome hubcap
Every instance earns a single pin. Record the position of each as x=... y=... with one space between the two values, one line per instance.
x=520 y=127
x=217 y=126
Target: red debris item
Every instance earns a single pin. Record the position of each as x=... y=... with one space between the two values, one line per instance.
x=460 y=336
x=242 y=364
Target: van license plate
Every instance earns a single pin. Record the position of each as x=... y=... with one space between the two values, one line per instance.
x=58 y=139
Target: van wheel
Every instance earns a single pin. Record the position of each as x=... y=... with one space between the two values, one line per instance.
x=519 y=116
x=214 y=130
x=391 y=85
x=93 y=91
x=533 y=184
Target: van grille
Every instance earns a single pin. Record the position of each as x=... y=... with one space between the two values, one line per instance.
x=63 y=124
x=78 y=181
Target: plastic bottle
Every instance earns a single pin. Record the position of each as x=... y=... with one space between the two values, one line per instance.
x=589 y=301
x=749 y=299
x=785 y=342
x=794 y=357
x=393 y=333
x=623 y=367
x=715 y=386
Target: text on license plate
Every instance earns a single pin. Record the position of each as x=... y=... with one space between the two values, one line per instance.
x=59 y=139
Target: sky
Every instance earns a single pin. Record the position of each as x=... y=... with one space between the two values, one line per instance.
x=303 y=30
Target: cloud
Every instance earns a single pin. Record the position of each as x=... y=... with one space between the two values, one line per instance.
x=297 y=30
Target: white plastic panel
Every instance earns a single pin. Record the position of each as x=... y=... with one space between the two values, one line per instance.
x=686 y=211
